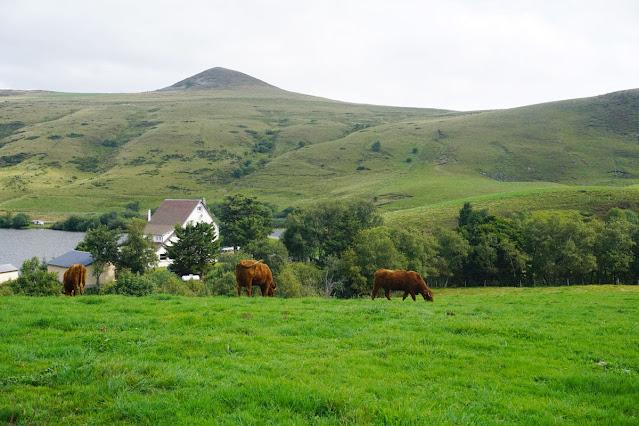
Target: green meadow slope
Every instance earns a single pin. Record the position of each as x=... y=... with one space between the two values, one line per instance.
x=222 y=132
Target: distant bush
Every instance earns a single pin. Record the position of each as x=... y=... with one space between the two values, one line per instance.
x=221 y=284
x=414 y=150
x=12 y=160
x=273 y=252
x=35 y=280
x=112 y=220
x=87 y=164
x=264 y=145
x=408 y=160
x=168 y=283
x=130 y=284
x=19 y=221
x=6 y=289
x=299 y=279
x=76 y=224
x=376 y=146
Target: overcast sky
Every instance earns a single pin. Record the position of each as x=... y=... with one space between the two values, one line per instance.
x=456 y=54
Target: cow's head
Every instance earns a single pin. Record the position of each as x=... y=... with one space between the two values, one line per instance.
x=271 y=289
x=428 y=295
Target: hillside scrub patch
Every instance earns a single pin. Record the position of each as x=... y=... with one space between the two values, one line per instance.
x=13 y=160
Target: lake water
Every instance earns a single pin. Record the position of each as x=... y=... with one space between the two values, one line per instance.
x=16 y=246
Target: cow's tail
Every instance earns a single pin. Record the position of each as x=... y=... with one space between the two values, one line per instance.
x=257 y=262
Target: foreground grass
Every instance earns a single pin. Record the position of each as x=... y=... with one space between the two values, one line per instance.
x=506 y=355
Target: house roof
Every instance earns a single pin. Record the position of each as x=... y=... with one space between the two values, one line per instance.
x=7 y=268
x=169 y=214
x=71 y=258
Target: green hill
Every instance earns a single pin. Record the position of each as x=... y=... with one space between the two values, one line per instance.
x=221 y=132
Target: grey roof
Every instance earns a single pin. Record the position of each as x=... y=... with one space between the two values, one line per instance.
x=71 y=258
x=7 y=268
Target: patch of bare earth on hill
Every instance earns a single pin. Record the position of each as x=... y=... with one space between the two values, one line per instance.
x=384 y=199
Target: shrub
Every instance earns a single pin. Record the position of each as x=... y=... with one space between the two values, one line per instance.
x=273 y=252
x=6 y=220
x=299 y=279
x=130 y=284
x=376 y=147
x=221 y=283
x=5 y=289
x=168 y=283
x=34 y=280
x=21 y=220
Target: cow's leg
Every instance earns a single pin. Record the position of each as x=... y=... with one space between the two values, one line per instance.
x=239 y=290
x=405 y=294
x=412 y=294
x=263 y=288
x=248 y=288
x=387 y=292
x=375 y=290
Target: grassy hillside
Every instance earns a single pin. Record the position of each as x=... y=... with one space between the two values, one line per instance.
x=79 y=153
x=473 y=356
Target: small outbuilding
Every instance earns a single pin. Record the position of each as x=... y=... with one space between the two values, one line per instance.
x=84 y=258
x=8 y=272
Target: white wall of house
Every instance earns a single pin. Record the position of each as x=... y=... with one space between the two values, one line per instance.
x=6 y=276
x=107 y=275
x=199 y=215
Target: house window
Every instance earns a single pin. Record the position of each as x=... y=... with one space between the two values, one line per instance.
x=157 y=238
x=162 y=256
x=199 y=208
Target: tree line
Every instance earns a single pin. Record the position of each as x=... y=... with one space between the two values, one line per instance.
x=333 y=248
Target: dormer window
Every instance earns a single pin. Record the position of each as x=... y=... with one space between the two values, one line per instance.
x=157 y=238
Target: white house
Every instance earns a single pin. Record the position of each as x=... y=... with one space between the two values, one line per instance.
x=161 y=226
x=8 y=272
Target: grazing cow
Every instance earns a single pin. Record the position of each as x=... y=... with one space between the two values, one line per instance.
x=74 y=280
x=410 y=281
x=252 y=272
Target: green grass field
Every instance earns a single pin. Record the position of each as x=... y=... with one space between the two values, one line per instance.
x=474 y=356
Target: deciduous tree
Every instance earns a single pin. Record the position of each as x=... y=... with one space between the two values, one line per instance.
x=244 y=219
x=103 y=245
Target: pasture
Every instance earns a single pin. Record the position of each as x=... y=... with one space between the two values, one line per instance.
x=482 y=355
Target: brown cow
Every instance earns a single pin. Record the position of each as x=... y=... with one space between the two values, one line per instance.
x=410 y=281
x=74 y=280
x=251 y=272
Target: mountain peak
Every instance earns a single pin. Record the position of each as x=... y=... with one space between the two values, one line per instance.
x=217 y=78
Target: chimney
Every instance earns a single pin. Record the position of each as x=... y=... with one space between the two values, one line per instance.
x=149 y=216
x=204 y=201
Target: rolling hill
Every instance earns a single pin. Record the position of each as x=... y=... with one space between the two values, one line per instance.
x=221 y=132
